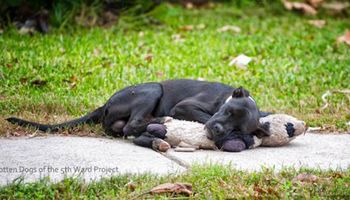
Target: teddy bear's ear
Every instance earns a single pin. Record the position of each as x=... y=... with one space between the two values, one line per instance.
x=263 y=130
x=240 y=92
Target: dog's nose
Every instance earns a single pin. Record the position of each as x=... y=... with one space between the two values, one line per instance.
x=218 y=128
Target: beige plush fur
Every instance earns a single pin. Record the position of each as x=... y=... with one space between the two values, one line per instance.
x=192 y=134
x=187 y=134
x=279 y=135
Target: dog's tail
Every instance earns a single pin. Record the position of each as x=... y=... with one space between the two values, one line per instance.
x=91 y=118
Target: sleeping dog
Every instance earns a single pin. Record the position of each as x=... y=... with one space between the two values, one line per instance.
x=223 y=109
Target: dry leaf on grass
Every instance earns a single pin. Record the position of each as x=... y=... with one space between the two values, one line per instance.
x=314 y=3
x=159 y=74
x=187 y=28
x=148 y=57
x=231 y=28
x=300 y=7
x=141 y=34
x=317 y=23
x=336 y=7
x=131 y=185
x=177 y=188
x=200 y=26
x=178 y=38
x=240 y=61
x=192 y=27
x=344 y=38
x=96 y=52
x=324 y=96
x=305 y=178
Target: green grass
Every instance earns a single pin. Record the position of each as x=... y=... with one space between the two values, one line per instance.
x=69 y=72
x=294 y=62
x=210 y=182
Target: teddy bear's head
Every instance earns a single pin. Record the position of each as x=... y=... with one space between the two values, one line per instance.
x=282 y=129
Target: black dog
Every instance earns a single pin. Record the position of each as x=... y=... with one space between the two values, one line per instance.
x=223 y=108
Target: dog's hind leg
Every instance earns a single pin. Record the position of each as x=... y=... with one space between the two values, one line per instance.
x=135 y=106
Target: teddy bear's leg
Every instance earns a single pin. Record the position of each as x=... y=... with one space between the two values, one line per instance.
x=150 y=141
x=257 y=142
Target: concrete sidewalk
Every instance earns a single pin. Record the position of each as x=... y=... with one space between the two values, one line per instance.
x=92 y=158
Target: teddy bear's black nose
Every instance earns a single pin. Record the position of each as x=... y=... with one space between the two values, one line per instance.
x=290 y=129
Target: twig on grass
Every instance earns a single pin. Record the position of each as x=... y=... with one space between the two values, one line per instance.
x=329 y=93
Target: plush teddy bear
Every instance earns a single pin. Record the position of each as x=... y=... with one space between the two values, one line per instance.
x=281 y=129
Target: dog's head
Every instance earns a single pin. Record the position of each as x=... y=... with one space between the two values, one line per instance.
x=238 y=115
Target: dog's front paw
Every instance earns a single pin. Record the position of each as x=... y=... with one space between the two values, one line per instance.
x=157 y=130
x=160 y=145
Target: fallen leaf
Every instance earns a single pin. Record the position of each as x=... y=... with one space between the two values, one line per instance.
x=259 y=190
x=159 y=74
x=62 y=50
x=337 y=175
x=148 y=57
x=9 y=65
x=96 y=52
x=337 y=7
x=23 y=80
x=177 y=188
x=38 y=82
x=131 y=185
x=317 y=23
x=178 y=38
x=16 y=134
x=300 y=7
x=240 y=61
x=72 y=85
x=200 y=26
x=223 y=183
x=305 y=178
x=189 y=5
x=73 y=79
x=344 y=38
x=231 y=28
x=107 y=19
x=187 y=28
x=315 y=3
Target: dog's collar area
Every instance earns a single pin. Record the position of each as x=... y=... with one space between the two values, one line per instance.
x=251 y=98
x=230 y=97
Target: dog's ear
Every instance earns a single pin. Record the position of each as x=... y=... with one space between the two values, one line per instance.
x=263 y=130
x=240 y=92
